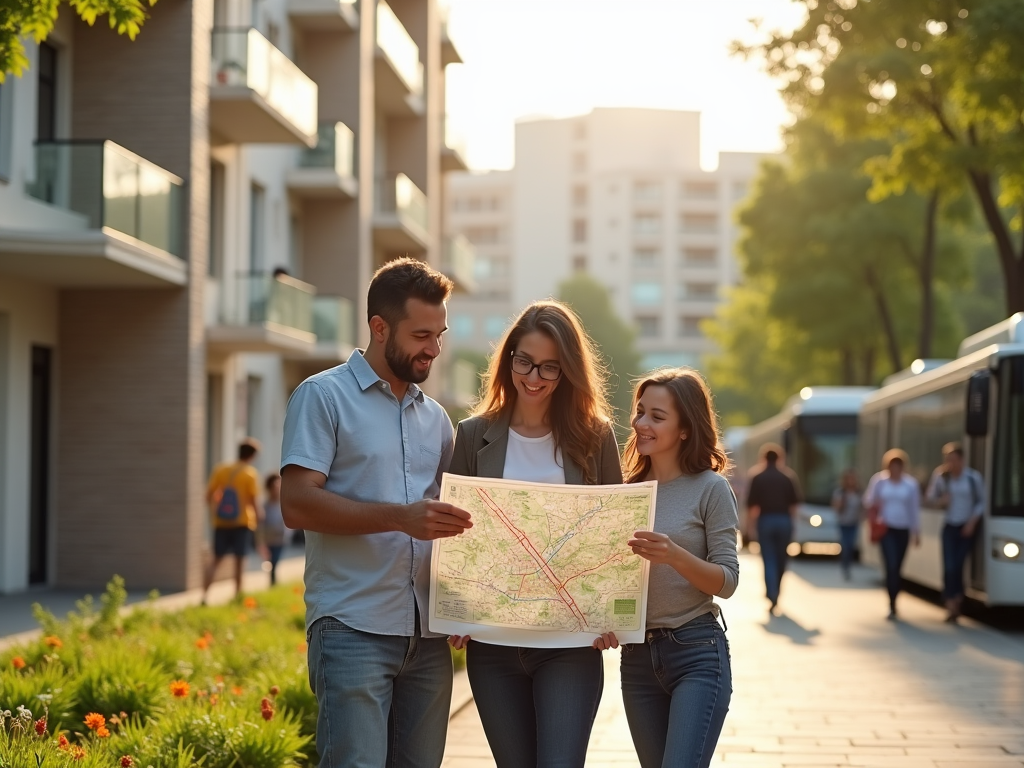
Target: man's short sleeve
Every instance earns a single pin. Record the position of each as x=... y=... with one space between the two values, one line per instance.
x=310 y=429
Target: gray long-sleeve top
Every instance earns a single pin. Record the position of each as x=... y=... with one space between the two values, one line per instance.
x=698 y=512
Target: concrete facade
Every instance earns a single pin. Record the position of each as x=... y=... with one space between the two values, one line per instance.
x=142 y=333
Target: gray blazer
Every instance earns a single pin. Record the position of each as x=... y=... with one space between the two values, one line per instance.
x=481 y=445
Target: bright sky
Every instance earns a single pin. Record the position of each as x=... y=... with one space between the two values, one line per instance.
x=558 y=58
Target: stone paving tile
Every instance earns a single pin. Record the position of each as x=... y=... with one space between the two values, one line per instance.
x=829 y=682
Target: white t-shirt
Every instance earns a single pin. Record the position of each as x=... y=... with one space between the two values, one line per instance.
x=899 y=502
x=533 y=459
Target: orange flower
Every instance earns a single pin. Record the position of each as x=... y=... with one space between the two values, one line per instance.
x=297 y=590
x=179 y=689
x=127 y=762
x=77 y=752
x=40 y=726
x=249 y=602
x=202 y=643
x=237 y=690
x=62 y=741
x=301 y=647
x=213 y=700
x=201 y=693
x=103 y=732
x=95 y=720
x=53 y=641
x=219 y=678
x=242 y=618
x=18 y=663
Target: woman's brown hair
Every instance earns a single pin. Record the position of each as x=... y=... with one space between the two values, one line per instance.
x=702 y=448
x=578 y=408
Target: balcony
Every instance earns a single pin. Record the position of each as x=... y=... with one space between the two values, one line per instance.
x=124 y=220
x=324 y=15
x=453 y=150
x=327 y=170
x=458 y=262
x=257 y=94
x=334 y=323
x=398 y=70
x=399 y=215
x=449 y=53
x=263 y=313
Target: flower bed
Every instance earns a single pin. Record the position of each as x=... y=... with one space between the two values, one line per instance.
x=222 y=687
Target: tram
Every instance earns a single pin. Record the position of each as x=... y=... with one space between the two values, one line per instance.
x=976 y=400
x=817 y=428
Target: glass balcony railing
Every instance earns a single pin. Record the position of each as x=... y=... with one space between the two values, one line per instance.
x=458 y=259
x=244 y=57
x=113 y=188
x=453 y=139
x=399 y=47
x=335 y=149
x=398 y=195
x=259 y=298
x=334 y=320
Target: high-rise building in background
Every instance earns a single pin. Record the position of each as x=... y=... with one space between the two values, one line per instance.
x=187 y=227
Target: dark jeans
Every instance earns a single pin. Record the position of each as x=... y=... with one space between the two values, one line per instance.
x=676 y=689
x=275 y=556
x=537 y=705
x=774 y=534
x=955 y=549
x=894 y=548
x=848 y=542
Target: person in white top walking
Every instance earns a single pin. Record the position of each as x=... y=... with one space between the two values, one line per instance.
x=895 y=498
x=960 y=490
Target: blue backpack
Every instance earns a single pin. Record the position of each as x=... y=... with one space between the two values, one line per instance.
x=228 y=507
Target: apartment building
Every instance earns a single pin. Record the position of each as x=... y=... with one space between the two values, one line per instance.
x=620 y=193
x=187 y=226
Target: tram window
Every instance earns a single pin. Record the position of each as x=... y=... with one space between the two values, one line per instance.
x=822 y=447
x=977 y=404
x=926 y=423
x=1008 y=459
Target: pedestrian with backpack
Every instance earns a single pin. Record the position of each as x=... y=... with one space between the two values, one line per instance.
x=960 y=490
x=233 y=497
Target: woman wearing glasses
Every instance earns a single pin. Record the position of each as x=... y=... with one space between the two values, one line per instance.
x=543 y=417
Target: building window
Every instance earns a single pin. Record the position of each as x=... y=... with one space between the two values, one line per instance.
x=698 y=223
x=579 y=131
x=649 y=326
x=700 y=190
x=257 y=228
x=646 y=294
x=646 y=258
x=698 y=291
x=462 y=326
x=689 y=327
x=579 y=162
x=698 y=257
x=647 y=191
x=579 y=230
x=579 y=263
x=494 y=326
x=579 y=195
x=46 y=93
x=483 y=235
x=647 y=224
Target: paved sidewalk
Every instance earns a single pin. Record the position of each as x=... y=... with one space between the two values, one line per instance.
x=830 y=682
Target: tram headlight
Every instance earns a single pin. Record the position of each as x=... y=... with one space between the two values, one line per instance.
x=815 y=521
x=1006 y=549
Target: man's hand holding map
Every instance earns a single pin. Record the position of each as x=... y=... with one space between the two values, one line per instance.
x=544 y=565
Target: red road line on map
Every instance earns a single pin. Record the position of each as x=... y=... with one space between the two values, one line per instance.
x=524 y=540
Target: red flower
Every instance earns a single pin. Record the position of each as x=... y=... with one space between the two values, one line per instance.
x=62 y=741
x=18 y=663
x=274 y=690
x=40 y=726
x=267 y=709
x=127 y=762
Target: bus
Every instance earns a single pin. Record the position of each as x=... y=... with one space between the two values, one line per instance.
x=817 y=428
x=976 y=400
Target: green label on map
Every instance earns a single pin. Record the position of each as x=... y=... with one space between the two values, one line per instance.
x=625 y=606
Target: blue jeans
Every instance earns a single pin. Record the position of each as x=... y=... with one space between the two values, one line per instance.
x=537 y=705
x=955 y=549
x=275 y=557
x=774 y=534
x=848 y=542
x=676 y=689
x=383 y=699
x=894 y=548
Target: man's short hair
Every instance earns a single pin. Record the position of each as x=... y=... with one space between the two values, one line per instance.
x=956 y=448
x=248 y=448
x=400 y=280
x=771 y=452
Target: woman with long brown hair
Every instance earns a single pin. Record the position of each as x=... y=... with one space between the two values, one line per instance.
x=676 y=686
x=543 y=418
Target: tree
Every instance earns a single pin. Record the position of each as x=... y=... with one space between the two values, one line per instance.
x=940 y=81
x=35 y=19
x=615 y=340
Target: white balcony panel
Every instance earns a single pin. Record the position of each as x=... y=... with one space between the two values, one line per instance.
x=324 y=15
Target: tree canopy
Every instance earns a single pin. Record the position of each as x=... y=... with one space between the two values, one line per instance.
x=35 y=19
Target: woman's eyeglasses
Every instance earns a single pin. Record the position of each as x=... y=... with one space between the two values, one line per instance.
x=524 y=366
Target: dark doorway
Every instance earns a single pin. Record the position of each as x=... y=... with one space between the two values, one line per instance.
x=46 y=94
x=39 y=492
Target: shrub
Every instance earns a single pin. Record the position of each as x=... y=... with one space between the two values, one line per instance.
x=119 y=681
x=44 y=688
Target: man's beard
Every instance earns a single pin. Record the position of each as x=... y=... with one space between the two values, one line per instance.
x=402 y=365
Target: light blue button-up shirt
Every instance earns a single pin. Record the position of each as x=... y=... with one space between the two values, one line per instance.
x=347 y=424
